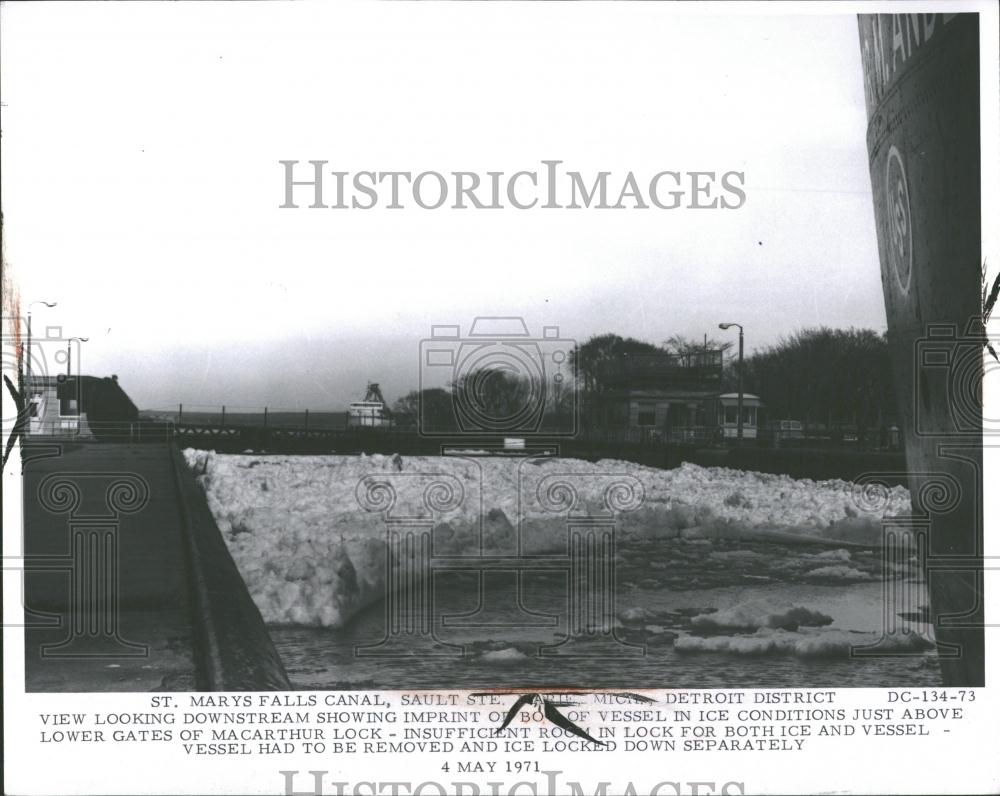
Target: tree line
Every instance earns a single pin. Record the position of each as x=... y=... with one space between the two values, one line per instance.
x=492 y=399
x=823 y=377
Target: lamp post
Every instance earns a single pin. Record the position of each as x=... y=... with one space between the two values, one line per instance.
x=739 y=385
x=69 y=352
x=26 y=359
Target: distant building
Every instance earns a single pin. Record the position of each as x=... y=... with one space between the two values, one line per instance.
x=77 y=405
x=371 y=412
x=726 y=407
x=661 y=393
x=673 y=396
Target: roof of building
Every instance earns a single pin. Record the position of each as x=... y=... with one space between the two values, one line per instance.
x=748 y=397
x=663 y=394
x=41 y=380
x=45 y=379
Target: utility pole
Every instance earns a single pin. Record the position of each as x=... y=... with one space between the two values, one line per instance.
x=69 y=353
x=25 y=369
x=739 y=385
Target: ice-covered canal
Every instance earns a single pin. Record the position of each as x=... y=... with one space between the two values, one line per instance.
x=721 y=578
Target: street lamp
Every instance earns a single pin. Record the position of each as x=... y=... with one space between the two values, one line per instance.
x=739 y=385
x=27 y=349
x=69 y=352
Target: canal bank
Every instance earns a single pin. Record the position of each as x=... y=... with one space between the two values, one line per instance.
x=128 y=583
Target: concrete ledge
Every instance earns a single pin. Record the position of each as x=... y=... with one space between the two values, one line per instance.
x=233 y=650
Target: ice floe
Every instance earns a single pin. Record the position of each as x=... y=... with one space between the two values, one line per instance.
x=308 y=533
x=805 y=642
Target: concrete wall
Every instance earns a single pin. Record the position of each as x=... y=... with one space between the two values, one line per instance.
x=234 y=651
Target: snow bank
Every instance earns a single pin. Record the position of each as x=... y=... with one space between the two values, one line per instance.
x=310 y=552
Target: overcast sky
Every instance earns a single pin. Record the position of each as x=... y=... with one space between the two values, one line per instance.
x=141 y=184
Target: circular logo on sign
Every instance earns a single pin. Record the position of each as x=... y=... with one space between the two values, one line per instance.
x=900 y=229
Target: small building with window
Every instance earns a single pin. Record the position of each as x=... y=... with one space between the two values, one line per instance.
x=656 y=394
x=55 y=406
x=76 y=405
x=670 y=396
x=726 y=413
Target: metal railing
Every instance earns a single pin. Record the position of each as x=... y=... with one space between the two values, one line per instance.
x=228 y=416
x=83 y=430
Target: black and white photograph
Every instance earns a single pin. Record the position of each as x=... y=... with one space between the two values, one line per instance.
x=535 y=357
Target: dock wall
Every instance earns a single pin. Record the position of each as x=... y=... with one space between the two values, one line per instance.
x=233 y=649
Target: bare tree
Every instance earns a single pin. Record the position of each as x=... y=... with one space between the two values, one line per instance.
x=681 y=345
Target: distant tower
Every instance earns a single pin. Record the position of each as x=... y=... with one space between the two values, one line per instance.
x=371 y=412
x=373 y=393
